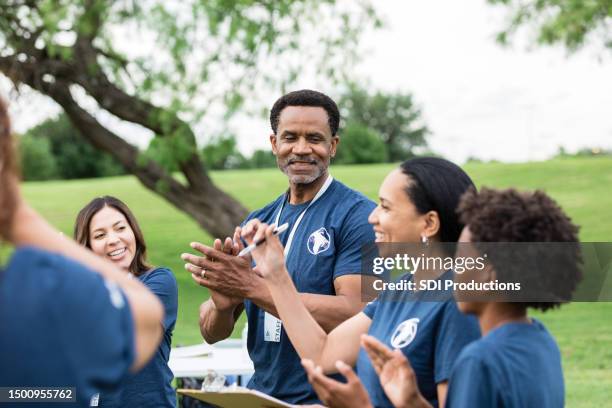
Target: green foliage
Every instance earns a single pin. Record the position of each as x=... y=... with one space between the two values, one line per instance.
x=37 y=161
x=195 y=42
x=74 y=158
x=161 y=186
x=160 y=151
x=262 y=159
x=584 y=152
x=221 y=153
x=360 y=145
x=571 y=23
x=175 y=146
x=394 y=116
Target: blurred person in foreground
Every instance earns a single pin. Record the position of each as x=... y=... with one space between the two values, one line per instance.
x=108 y=227
x=517 y=362
x=67 y=317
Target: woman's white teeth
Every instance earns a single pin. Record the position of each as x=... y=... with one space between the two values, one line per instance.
x=117 y=252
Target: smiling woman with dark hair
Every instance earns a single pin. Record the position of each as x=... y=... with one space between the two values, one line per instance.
x=132 y=257
x=67 y=317
x=107 y=227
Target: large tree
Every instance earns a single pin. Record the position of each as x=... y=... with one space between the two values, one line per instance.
x=160 y=64
x=571 y=23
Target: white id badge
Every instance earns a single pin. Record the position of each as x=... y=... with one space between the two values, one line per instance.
x=272 y=328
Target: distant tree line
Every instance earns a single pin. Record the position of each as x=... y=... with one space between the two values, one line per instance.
x=221 y=153
x=55 y=150
x=376 y=127
x=584 y=152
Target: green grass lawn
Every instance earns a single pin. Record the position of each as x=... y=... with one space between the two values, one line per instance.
x=583 y=186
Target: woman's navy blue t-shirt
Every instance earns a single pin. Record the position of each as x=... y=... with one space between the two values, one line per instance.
x=431 y=334
x=151 y=386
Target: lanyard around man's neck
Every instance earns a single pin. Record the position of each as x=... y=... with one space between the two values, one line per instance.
x=321 y=191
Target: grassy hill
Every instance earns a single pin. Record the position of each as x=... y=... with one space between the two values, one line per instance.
x=583 y=186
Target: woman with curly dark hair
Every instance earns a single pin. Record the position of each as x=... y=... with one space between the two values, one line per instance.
x=517 y=362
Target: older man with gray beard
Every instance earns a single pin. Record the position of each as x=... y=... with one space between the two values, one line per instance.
x=327 y=228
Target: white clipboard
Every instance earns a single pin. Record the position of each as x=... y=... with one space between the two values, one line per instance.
x=235 y=397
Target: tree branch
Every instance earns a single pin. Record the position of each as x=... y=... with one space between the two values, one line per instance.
x=86 y=72
x=213 y=209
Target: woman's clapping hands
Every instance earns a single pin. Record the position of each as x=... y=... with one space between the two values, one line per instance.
x=269 y=255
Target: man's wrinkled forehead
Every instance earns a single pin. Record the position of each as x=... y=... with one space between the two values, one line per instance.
x=304 y=119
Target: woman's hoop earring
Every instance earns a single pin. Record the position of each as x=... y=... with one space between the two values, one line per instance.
x=424 y=240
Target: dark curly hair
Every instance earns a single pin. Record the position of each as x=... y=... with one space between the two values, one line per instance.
x=306 y=97
x=509 y=216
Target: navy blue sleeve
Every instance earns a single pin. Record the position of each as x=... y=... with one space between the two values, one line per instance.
x=370 y=309
x=162 y=283
x=471 y=385
x=94 y=321
x=455 y=331
x=354 y=234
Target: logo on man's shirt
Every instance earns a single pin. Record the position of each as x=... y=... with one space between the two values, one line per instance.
x=404 y=333
x=318 y=241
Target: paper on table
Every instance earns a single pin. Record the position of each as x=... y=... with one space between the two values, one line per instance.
x=191 y=351
x=232 y=397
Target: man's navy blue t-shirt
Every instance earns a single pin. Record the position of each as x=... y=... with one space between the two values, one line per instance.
x=515 y=365
x=62 y=325
x=327 y=244
x=431 y=334
x=151 y=386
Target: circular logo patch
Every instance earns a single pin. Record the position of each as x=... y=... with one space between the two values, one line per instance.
x=318 y=241
x=404 y=333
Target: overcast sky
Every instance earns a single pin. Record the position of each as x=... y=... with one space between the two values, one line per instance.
x=478 y=98
x=484 y=100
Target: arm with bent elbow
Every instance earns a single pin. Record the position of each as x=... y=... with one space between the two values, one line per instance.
x=217 y=323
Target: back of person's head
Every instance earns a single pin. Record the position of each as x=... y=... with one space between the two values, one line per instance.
x=82 y=225
x=510 y=216
x=8 y=173
x=306 y=97
x=436 y=184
